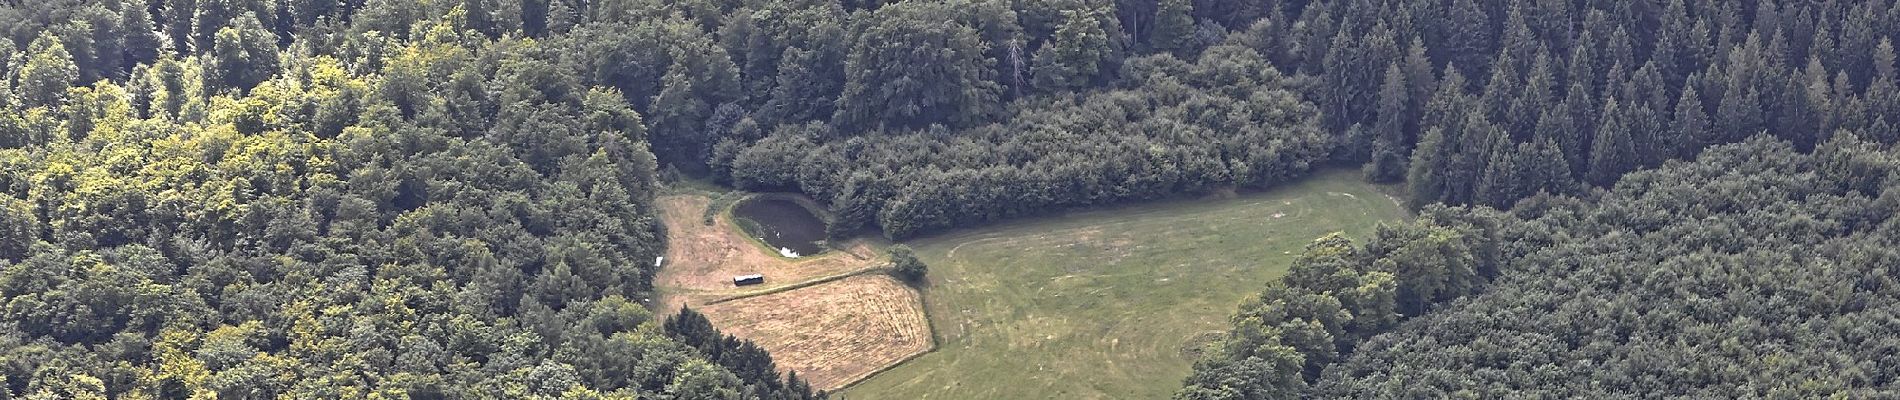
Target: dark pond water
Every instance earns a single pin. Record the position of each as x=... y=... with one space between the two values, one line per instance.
x=782 y=223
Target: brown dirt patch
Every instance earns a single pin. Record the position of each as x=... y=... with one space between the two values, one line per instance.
x=834 y=333
x=702 y=259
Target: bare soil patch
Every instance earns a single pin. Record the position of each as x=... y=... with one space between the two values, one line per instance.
x=835 y=333
x=701 y=259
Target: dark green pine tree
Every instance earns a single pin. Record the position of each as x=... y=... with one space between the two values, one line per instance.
x=1582 y=69
x=1819 y=94
x=1671 y=41
x=677 y=117
x=1475 y=138
x=1554 y=128
x=1501 y=93
x=1388 y=144
x=142 y=41
x=1174 y=28
x=1337 y=87
x=1425 y=176
x=1521 y=170
x=1539 y=94
x=1519 y=44
x=562 y=16
x=1883 y=93
x=1739 y=115
x=1074 y=57
x=1421 y=81
x=107 y=45
x=1798 y=119
x=1548 y=171
x=1883 y=102
x=1620 y=49
x=1467 y=41
x=1503 y=178
x=1884 y=63
x=1448 y=104
x=1583 y=121
x=177 y=19
x=1649 y=121
x=1691 y=124
x=211 y=16
x=1613 y=152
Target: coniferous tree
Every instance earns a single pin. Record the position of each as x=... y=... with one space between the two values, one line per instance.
x=1421 y=81
x=1883 y=59
x=1467 y=37
x=1388 y=143
x=1612 y=152
x=1075 y=56
x=1448 y=105
x=1555 y=128
x=1174 y=27
x=1425 y=176
x=1546 y=170
x=105 y=44
x=1692 y=124
x=142 y=41
x=1882 y=97
x=1502 y=182
x=1475 y=137
x=1740 y=113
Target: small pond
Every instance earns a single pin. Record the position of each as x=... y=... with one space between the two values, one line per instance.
x=783 y=224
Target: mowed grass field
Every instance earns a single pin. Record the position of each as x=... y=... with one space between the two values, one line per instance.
x=1104 y=303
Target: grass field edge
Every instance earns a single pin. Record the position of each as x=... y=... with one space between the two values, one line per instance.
x=930 y=323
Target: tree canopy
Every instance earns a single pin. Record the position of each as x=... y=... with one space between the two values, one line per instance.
x=389 y=198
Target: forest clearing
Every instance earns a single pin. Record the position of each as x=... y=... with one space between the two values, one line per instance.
x=833 y=333
x=842 y=318
x=1108 y=303
x=701 y=258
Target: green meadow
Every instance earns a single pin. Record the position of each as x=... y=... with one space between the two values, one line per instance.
x=1110 y=303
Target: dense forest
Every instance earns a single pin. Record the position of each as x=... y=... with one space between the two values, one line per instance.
x=1757 y=270
x=240 y=199
x=356 y=198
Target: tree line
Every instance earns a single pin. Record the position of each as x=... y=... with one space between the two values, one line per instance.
x=1489 y=102
x=1465 y=101
x=1338 y=295
x=1176 y=127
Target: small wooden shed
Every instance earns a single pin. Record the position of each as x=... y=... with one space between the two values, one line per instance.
x=748 y=280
